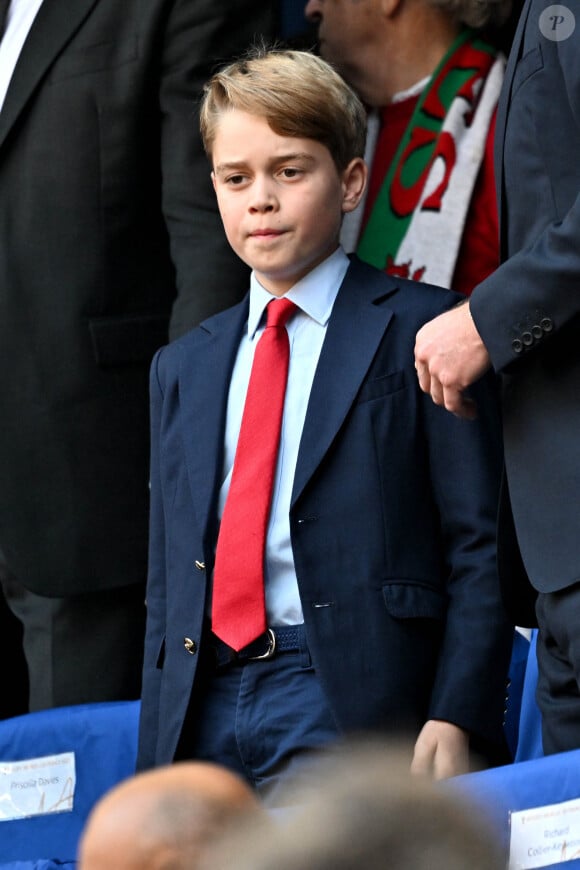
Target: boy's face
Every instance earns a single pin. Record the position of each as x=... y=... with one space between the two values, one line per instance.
x=281 y=198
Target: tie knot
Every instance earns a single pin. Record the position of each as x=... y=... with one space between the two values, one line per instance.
x=279 y=311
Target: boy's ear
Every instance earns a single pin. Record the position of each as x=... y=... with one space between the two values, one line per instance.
x=213 y=181
x=354 y=180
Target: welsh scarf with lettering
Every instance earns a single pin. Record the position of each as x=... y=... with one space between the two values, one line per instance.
x=416 y=223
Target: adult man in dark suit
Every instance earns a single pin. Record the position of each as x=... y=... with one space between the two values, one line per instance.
x=107 y=226
x=524 y=321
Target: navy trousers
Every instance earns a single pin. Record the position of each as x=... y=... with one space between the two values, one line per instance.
x=265 y=720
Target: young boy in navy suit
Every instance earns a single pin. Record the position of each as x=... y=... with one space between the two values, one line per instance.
x=380 y=603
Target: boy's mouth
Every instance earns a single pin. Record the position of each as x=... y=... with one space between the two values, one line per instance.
x=265 y=233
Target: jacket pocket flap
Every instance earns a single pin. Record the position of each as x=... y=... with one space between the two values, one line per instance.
x=384 y=385
x=408 y=600
x=94 y=58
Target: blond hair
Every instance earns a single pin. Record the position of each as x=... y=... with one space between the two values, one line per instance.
x=296 y=92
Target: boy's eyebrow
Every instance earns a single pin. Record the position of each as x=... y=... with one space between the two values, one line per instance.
x=282 y=158
x=226 y=167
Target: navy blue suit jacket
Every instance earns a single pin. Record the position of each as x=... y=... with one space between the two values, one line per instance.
x=392 y=521
x=528 y=311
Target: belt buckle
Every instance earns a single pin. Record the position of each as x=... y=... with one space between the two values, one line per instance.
x=269 y=652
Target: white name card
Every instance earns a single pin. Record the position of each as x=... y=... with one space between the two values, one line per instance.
x=37 y=786
x=545 y=835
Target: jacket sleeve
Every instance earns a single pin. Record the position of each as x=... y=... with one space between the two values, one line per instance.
x=465 y=461
x=535 y=294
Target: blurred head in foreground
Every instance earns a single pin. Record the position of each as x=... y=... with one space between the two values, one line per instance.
x=367 y=811
x=164 y=819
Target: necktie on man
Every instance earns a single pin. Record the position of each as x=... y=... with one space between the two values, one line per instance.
x=238 y=605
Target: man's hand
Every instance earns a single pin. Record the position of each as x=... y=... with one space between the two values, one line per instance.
x=449 y=356
x=441 y=750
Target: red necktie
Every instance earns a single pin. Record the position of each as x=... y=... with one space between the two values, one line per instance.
x=238 y=606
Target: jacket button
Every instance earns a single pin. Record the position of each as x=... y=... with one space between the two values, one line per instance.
x=547 y=324
x=199 y=565
x=517 y=345
x=537 y=331
x=527 y=338
x=190 y=645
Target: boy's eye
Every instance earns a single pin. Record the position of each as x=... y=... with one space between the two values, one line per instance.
x=235 y=179
x=291 y=172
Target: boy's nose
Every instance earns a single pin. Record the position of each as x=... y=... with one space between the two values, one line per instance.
x=262 y=206
x=263 y=198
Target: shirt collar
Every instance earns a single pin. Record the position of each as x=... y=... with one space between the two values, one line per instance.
x=314 y=294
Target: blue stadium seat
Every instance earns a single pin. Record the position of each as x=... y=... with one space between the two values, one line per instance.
x=525 y=785
x=523 y=725
x=103 y=738
x=529 y=743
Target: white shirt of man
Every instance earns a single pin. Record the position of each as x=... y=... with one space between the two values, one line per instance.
x=21 y=14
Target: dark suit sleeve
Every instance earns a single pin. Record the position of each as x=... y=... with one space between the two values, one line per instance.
x=535 y=293
x=465 y=460
x=200 y=36
x=156 y=590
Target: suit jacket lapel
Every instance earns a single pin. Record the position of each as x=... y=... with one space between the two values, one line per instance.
x=54 y=25
x=503 y=105
x=203 y=388
x=354 y=333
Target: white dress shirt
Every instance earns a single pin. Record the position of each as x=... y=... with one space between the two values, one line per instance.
x=314 y=295
x=21 y=14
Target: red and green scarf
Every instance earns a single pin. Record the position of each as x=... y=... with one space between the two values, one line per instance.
x=417 y=220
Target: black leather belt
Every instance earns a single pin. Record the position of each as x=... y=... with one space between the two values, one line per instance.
x=281 y=639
